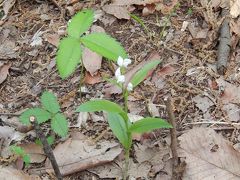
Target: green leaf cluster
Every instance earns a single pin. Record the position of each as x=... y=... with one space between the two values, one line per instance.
x=70 y=48
x=119 y=122
x=50 y=110
x=21 y=153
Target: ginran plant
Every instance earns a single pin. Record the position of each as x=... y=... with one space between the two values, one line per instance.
x=50 y=110
x=70 y=48
x=117 y=116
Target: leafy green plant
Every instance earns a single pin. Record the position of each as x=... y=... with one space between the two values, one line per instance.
x=50 y=110
x=70 y=48
x=118 y=119
x=21 y=153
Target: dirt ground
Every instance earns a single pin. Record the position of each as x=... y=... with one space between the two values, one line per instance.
x=202 y=99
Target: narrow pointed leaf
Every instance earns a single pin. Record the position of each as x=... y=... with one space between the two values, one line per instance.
x=118 y=127
x=99 y=105
x=49 y=102
x=68 y=56
x=59 y=125
x=142 y=73
x=149 y=124
x=104 y=45
x=40 y=114
x=80 y=23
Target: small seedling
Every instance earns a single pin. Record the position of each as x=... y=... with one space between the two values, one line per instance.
x=50 y=110
x=118 y=119
x=21 y=153
x=70 y=48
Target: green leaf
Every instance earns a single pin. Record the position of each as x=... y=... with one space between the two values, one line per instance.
x=59 y=125
x=119 y=129
x=49 y=102
x=17 y=150
x=50 y=140
x=26 y=159
x=140 y=21
x=99 y=105
x=142 y=73
x=104 y=45
x=148 y=124
x=68 y=56
x=80 y=23
x=40 y=114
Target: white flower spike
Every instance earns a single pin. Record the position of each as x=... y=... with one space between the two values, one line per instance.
x=123 y=62
x=130 y=87
x=120 y=78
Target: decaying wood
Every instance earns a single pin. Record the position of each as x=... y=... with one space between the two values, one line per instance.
x=224 y=44
x=173 y=131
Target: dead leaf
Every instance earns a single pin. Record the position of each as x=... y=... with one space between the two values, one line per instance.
x=232 y=111
x=34 y=151
x=79 y=153
x=208 y=155
x=153 y=110
x=11 y=173
x=88 y=79
x=91 y=60
x=4 y=72
x=7 y=135
x=148 y=9
x=119 y=12
x=203 y=103
x=230 y=92
x=52 y=39
x=7 y=5
x=234 y=8
x=8 y=50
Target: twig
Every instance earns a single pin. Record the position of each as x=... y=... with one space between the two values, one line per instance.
x=173 y=132
x=46 y=147
x=224 y=44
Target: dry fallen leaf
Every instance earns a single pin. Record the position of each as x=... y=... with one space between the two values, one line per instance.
x=34 y=151
x=234 y=8
x=79 y=153
x=88 y=79
x=14 y=174
x=91 y=60
x=230 y=92
x=8 y=49
x=4 y=72
x=203 y=103
x=232 y=111
x=119 y=12
x=52 y=39
x=7 y=5
x=208 y=155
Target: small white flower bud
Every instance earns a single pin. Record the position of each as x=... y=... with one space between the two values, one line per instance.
x=130 y=87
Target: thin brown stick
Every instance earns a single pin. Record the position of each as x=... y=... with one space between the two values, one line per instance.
x=173 y=132
x=46 y=147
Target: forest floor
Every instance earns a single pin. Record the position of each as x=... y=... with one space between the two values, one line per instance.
x=183 y=34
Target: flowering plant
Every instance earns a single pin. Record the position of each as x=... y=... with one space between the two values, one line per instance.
x=118 y=119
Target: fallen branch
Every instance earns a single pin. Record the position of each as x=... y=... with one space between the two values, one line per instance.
x=224 y=44
x=46 y=147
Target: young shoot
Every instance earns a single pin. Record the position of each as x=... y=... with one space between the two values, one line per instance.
x=118 y=119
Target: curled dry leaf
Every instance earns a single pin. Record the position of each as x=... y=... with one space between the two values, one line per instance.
x=4 y=72
x=88 y=79
x=79 y=153
x=208 y=155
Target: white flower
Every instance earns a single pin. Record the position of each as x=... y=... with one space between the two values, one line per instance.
x=123 y=62
x=120 y=78
x=130 y=87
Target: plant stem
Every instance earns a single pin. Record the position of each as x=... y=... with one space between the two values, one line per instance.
x=125 y=171
x=125 y=95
